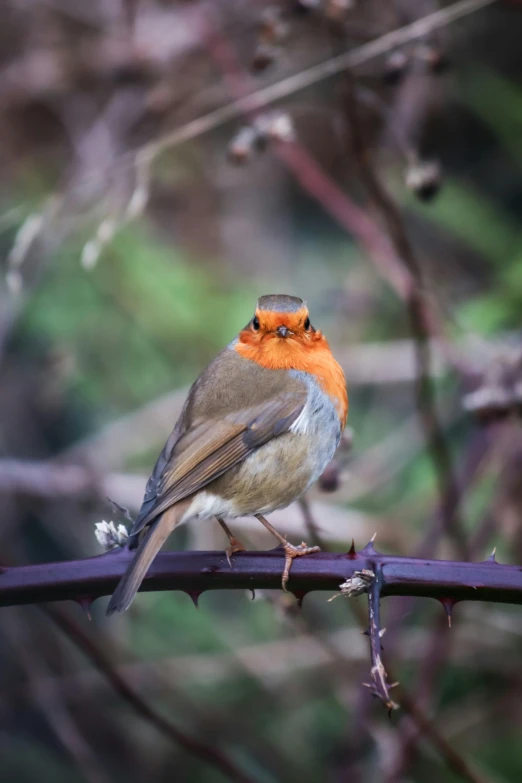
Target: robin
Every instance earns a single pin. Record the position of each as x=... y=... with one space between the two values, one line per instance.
x=259 y=426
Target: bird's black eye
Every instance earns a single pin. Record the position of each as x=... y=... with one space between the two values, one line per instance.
x=307 y=324
x=255 y=323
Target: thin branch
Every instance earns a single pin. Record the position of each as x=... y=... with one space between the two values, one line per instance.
x=420 y=315
x=379 y=685
x=260 y=99
x=195 y=572
x=366 y=231
x=99 y=659
x=479 y=453
x=52 y=703
x=332 y=651
x=453 y=759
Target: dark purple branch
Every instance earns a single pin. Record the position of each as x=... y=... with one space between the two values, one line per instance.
x=379 y=685
x=195 y=572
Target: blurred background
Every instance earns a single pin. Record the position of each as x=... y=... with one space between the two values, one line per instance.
x=139 y=222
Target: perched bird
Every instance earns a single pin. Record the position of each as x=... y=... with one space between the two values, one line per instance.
x=259 y=426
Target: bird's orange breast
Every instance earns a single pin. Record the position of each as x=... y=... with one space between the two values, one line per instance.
x=312 y=355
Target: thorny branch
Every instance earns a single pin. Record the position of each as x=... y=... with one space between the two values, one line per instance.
x=422 y=723
x=195 y=572
x=379 y=685
x=453 y=760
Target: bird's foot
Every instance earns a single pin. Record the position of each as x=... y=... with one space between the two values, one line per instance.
x=235 y=546
x=292 y=552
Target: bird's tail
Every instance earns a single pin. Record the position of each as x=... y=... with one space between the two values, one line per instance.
x=147 y=550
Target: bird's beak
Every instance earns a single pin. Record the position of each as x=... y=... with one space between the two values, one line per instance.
x=282 y=331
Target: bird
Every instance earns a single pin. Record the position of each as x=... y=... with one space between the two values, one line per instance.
x=258 y=427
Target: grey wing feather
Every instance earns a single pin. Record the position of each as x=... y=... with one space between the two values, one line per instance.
x=192 y=459
x=154 y=483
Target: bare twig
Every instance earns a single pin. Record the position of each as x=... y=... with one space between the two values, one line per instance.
x=260 y=99
x=420 y=322
x=96 y=655
x=46 y=693
x=452 y=758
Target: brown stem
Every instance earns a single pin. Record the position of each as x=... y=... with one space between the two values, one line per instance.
x=420 y=323
x=454 y=761
x=96 y=655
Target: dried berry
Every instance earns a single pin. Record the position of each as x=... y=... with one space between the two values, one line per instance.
x=242 y=146
x=436 y=60
x=424 y=179
x=264 y=56
x=395 y=67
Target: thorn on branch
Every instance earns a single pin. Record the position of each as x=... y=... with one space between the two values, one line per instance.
x=369 y=549
x=448 y=604
x=86 y=602
x=194 y=596
x=492 y=558
x=300 y=595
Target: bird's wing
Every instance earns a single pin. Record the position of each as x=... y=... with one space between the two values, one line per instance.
x=210 y=447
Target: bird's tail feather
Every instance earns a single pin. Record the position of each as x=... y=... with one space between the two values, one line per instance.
x=147 y=550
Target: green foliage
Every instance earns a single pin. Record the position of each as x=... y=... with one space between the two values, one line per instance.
x=145 y=321
x=141 y=323
x=498 y=103
x=25 y=762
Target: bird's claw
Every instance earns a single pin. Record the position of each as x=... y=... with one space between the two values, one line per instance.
x=235 y=546
x=292 y=552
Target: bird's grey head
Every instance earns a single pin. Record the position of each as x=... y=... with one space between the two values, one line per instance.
x=280 y=303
